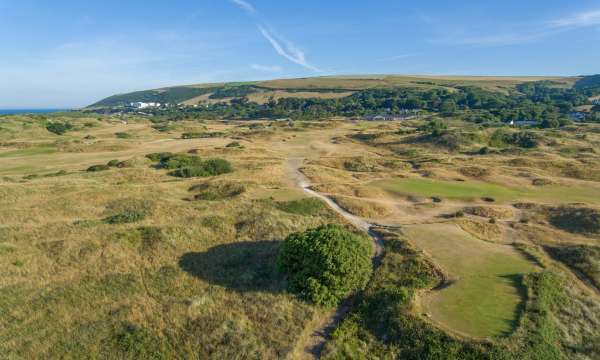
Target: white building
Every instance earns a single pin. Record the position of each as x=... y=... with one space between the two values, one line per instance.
x=144 y=105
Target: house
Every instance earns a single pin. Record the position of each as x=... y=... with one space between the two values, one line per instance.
x=596 y=102
x=144 y=105
x=403 y=114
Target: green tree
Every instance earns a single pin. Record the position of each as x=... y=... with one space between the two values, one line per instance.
x=326 y=264
x=448 y=107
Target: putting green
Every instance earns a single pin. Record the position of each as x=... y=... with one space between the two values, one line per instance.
x=477 y=189
x=485 y=299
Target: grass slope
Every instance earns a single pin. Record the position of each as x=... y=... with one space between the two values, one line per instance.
x=486 y=291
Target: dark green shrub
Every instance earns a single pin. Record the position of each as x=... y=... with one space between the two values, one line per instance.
x=123 y=135
x=235 y=144
x=326 y=264
x=113 y=163
x=524 y=139
x=59 y=128
x=159 y=157
x=308 y=206
x=95 y=168
x=126 y=217
x=180 y=161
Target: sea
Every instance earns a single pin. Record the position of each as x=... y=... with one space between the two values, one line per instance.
x=29 y=111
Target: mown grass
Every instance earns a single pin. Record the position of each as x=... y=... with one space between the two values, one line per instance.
x=486 y=292
x=32 y=151
x=471 y=190
x=385 y=325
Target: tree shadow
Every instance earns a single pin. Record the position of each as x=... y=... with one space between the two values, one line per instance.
x=242 y=266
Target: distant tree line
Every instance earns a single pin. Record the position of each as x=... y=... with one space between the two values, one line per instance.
x=546 y=102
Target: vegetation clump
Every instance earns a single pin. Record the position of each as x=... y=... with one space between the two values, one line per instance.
x=96 y=168
x=234 y=145
x=218 y=191
x=359 y=164
x=187 y=166
x=59 y=128
x=123 y=135
x=326 y=264
x=126 y=217
x=522 y=139
x=212 y=167
x=202 y=135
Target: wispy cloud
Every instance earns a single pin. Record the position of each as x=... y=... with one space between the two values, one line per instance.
x=246 y=6
x=530 y=32
x=283 y=47
x=399 y=57
x=288 y=50
x=267 y=68
x=582 y=19
x=502 y=39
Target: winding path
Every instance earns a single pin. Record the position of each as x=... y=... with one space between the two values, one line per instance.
x=319 y=335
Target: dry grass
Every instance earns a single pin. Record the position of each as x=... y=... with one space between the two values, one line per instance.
x=362 y=208
x=193 y=273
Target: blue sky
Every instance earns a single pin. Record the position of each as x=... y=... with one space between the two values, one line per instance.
x=65 y=53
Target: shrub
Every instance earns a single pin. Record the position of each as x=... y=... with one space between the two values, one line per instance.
x=218 y=191
x=235 y=144
x=126 y=217
x=123 y=135
x=59 y=128
x=179 y=161
x=159 y=157
x=524 y=139
x=113 y=163
x=212 y=167
x=96 y=168
x=187 y=166
x=360 y=164
x=308 y=206
x=326 y=264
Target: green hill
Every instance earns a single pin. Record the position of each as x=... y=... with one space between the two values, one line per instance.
x=319 y=87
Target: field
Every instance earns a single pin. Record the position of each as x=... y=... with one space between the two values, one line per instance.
x=132 y=262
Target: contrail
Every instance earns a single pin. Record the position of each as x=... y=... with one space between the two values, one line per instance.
x=290 y=52
x=283 y=47
x=246 y=6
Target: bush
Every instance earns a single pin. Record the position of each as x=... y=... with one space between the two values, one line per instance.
x=179 y=161
x=123 y=135
x=212 y=167
x=96 y=168
x=126 y=217
x=235 y=144
x=59 y=128
x=113 y=163
x=159 y=157
x=326 y=264
x=218 y=191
